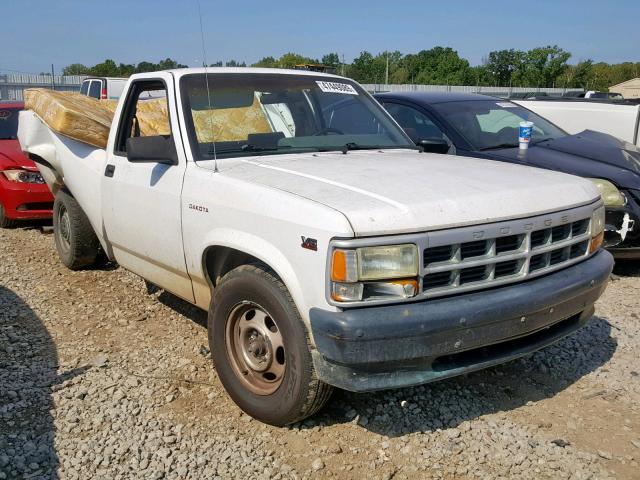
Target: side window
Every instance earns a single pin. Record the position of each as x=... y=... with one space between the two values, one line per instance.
x=415 y=123
x=95 y=88
x=145 y=114
x=350 y=117
x=84 y=88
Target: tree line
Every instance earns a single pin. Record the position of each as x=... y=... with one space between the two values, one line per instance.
x=546 y=66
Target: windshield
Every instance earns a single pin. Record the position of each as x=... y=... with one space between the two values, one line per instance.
x=8 y=123
x=266 y=114
x=493 y=124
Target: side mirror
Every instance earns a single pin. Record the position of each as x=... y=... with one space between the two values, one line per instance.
x=435 y=145
x=155 y=149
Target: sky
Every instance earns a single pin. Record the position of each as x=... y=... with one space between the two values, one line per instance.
x=39 y=33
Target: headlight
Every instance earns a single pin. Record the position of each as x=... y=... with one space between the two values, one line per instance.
x=597 y=229
x=374 y=272
x=23 y=176
x=611 y=196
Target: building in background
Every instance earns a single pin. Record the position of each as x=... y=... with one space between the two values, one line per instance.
x=628 y=89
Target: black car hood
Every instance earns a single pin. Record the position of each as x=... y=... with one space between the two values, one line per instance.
x=587 y=154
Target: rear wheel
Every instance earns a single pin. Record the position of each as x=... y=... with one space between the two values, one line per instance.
x=4 y=221
x=76 y=242
x=261 y=350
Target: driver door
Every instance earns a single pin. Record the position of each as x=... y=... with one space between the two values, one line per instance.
x=142 y=199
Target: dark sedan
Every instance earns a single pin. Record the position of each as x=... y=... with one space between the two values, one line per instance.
x=486 y=127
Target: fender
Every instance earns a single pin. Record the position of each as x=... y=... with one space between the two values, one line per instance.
x=254 y=246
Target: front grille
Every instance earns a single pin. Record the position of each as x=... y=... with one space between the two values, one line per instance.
x=503 y=254
x=473 y=249
x=438 y=254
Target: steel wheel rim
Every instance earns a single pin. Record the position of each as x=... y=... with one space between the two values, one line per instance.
x=255 y=348
x=64 y=227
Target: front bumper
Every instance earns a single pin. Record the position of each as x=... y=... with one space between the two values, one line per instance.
x=25 y=201
x=375 y=348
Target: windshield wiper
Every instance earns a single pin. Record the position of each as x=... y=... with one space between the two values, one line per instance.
x=249 y=147
x=501 y=145
x=356 y=146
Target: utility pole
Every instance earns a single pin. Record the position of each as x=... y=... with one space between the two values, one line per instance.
x=386 y=74
x=53 y=82
x=342 y=66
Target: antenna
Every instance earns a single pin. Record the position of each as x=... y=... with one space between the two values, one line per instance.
x=206 y=76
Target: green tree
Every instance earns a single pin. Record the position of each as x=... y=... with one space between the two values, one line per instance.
x=266 y=62
x=108 y=68
x=290 y=60
x=76 y=69
x=501 y=65
x=438 y=66
x=543 y=66
x=331 y=59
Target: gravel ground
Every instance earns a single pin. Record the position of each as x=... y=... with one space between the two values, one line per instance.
x=101 y=380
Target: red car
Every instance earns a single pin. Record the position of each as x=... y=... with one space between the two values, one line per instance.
x=23 y=193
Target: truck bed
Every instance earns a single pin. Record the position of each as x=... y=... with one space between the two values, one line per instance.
x=64 y=162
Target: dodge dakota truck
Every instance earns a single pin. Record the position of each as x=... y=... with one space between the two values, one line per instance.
x=328 y=251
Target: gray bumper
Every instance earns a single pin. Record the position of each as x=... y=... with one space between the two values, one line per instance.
x=393 y=346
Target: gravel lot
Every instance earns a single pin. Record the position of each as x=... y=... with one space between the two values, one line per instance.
x=101 y=380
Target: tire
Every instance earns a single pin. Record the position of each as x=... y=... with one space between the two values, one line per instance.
x=76 y=242
x=4 y=221
x=270 y=345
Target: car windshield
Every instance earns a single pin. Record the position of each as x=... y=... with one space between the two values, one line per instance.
x=266 y=114
x=494 y=124
x=8 y=123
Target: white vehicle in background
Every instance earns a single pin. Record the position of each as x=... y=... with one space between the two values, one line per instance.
x=622 y=120
x=328 y=251
x=103 y=88
x=603 y=95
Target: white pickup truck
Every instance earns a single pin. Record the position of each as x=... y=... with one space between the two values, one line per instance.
x=327 y=250
x=622 y=120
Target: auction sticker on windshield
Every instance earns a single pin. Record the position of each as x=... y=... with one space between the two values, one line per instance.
x=336 y=87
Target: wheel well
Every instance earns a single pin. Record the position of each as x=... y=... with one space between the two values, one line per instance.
x=219 y=260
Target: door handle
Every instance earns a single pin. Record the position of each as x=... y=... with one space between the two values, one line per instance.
x=109 y=170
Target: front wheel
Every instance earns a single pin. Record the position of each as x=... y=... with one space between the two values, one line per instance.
x=4 y=221
x=261 y=350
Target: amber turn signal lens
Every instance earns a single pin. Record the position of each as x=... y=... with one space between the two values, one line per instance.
x=596 y=242
x=410 y=287
x=339 y=266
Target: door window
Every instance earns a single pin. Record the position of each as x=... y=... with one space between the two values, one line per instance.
x=84 y=89
x=145 y=113
x=414 y=122
x=95 y=89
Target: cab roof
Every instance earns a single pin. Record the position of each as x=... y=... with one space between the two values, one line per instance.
x=179 y=72
x=436 y=97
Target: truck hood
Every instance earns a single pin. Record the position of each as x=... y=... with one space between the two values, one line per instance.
x=11 y=156
x=401 y=191
x=588 y=154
